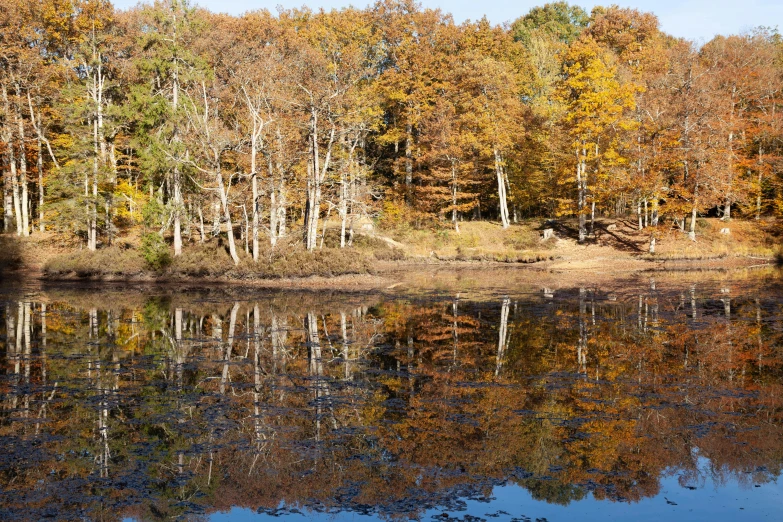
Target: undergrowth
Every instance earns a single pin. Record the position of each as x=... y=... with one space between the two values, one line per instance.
x=211 y=260
x=110 y=261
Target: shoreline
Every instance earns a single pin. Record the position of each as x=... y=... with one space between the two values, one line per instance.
x=394 y=274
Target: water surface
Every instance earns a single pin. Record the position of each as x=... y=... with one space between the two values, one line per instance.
x=638 y=400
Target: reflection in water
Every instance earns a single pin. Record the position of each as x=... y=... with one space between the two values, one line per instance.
x=117 y=406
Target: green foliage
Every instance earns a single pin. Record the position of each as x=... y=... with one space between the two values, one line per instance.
x=155 y=312
x=557 y=20
x=152 y=213
x=155 y=251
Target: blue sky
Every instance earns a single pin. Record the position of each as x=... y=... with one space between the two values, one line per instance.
x=692 y=19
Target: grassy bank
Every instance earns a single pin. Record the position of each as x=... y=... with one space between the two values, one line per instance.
x=612 y=243
x=208 y=261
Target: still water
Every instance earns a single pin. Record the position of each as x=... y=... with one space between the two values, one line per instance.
x=639 y=400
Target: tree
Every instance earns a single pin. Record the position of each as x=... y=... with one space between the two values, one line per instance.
x=596 y=104
x=165 y=67
x=557 y=20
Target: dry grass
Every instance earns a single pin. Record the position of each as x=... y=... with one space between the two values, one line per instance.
x=747 y=239
x=212 y=261
x=477 y=241
x=111 y=261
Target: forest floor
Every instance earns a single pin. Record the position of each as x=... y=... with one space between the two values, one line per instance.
x=409 y=257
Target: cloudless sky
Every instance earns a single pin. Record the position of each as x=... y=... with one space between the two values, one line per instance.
x=692 y=19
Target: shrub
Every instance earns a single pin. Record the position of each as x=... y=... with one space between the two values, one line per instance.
x=155 y=251
x=389 y=254
x=106 y=261
x=207 y=259
x=327 y=262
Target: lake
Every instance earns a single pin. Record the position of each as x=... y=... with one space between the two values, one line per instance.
x=656 y=396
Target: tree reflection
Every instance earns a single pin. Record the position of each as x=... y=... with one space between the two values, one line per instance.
x=167 y=408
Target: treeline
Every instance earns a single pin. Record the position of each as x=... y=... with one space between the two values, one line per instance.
x=265 y=126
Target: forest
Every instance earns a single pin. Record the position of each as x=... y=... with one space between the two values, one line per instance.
x=167 y=125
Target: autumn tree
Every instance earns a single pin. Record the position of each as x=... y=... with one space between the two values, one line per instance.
x=596 y=107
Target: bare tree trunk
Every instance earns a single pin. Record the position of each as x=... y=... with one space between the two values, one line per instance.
x=229 y=345
x=178 y=346
x=11 y=193
x=272 y=216
x=178 y=204
x=315 y=216
x=581 y=348
x=216 y=218
x=639 y=213
x=23 y=178
x=316 y=179
x=409 y=163
x=232 y=247
x=692 y=231
x=309 y=206
x=277 y=197
x=247 y=230
x=343 y=209
x=256 y=201
x=760 y=183
x=8 y=202
x=39 y=167
x=92 y=211
x=346 y=354
x=15 y=189
x=581 y=183
x=454 y=221
x=502 y=335
x=316 y=368
x=503 y=202
x=201 y=222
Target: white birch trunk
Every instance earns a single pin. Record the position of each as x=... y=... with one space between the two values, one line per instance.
x=15 y=190
x=39 y=167
x=232 y=247
x=201 y=223
x=454 y=220
x=25 y=198
x=502 y=336
x=8 y=202
x=503 y=202
x=343 y=209
x=581 y=183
